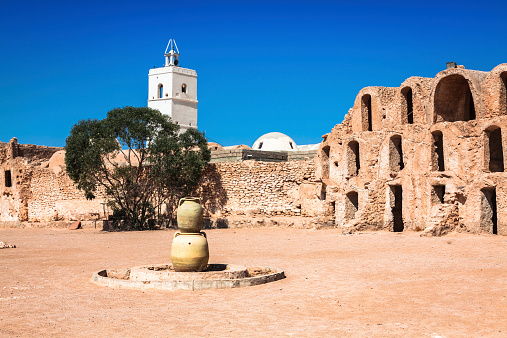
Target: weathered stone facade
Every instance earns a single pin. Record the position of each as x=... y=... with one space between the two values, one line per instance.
x=36 y=188
x=254 y=193
x=428 y=155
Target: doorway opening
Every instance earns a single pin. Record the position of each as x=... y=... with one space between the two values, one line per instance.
x=397 y=207
x=489 y=215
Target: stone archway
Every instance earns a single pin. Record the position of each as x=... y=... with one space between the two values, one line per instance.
x=454 y=100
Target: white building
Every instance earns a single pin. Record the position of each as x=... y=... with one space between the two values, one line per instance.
x=173 y=89
x=275 y=142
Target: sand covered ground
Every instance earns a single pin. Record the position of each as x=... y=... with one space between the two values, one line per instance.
x=373 y=284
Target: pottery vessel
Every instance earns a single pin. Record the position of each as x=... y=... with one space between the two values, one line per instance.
x=189 y=252
x=189 y=215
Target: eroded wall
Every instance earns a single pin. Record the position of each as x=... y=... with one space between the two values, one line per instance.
x=454 y=144
x=41 y=191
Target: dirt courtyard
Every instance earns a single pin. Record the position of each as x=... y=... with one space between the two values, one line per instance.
x=374 y=284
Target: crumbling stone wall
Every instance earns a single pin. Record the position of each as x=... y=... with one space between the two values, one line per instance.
x=41 y=191
x=261 y=188
x=453 y=143
x=55 y=198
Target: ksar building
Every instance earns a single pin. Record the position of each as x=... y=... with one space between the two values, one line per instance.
x=426 y=156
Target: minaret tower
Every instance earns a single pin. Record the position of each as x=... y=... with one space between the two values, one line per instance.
x=173 y=89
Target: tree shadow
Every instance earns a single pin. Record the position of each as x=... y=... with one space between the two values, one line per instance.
x=214 y=197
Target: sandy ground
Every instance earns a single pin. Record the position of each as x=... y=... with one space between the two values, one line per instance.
x=370 y=284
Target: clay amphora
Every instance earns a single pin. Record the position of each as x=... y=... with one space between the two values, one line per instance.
x=189 y=251
x=189 y=215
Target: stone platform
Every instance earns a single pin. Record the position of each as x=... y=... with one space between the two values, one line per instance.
x=163 y=277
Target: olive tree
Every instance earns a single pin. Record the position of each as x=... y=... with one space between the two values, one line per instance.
x=137 y=157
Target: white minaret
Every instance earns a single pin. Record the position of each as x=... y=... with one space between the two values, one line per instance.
x=173 y=90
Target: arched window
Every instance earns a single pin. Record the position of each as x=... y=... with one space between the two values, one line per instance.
x=183 y=88
x=407 y=108
x=494 y=150
x=351 y=205
x=160 y=91
x=353 y=163
x=396 y=153
x=454 y=100
x=366 y=112
x=438 y=151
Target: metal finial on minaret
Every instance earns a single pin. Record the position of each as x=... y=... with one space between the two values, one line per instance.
x=172 y=54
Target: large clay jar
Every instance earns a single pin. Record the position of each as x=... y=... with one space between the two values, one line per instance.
x=189 y=215
x=189 y=251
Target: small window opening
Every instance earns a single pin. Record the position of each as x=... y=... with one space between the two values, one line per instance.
x=325 y=161
x=396 y=153
x=291 y=147
x=326 y=151
x=260 y=145
x=183 y=88
x=471 y=106
x=351 y=205
x=503 y=76
x=160 y=91
x=495 y=148
x=437 y=194
x=366 y=112
x=336 y=163
x=438 y=151
x=489 y=216
x=353 y=162
x=408 y=105
x=323 y=192
x=8 y=179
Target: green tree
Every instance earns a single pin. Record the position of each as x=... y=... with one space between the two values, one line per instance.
x=138 y=158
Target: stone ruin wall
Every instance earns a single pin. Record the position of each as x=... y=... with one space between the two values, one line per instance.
x=39 y=189
x=436 y=170
x=254 y=193
x=439 y=170
x=265 y=192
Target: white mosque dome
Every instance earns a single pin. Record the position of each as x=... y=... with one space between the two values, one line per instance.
x=275 y=142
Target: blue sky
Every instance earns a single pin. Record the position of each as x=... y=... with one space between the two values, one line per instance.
x=288 y=66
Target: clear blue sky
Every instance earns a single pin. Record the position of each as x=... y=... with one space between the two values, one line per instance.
x=288 y=66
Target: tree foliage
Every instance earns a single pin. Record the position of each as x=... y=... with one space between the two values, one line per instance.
x=138 y=158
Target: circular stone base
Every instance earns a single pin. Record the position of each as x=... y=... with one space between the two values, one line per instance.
x=163 y=277
x=165 y=272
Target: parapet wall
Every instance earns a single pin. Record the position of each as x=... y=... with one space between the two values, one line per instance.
x=236 y=155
